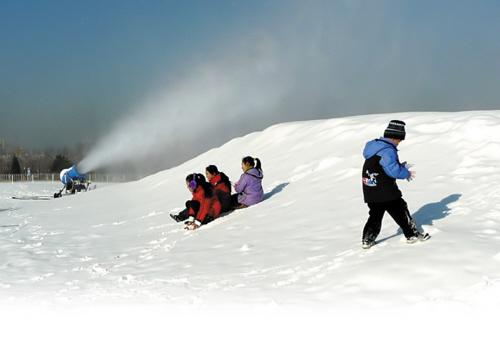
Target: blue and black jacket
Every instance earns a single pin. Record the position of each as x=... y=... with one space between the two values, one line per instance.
x=380 y=171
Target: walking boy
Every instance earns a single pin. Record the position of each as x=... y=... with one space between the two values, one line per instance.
x=380 y=191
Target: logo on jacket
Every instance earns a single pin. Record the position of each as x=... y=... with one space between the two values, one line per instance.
x=371 y=181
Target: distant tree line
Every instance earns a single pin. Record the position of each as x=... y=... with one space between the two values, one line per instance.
x=19 y=161
x=13 y=165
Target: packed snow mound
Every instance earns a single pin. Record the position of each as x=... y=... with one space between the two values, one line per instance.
x=299 y=247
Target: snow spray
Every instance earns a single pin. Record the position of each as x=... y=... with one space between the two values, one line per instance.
x=213 y=98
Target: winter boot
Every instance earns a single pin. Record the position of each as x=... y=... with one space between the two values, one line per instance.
x=369 y=237
x=418 y=237
x=367 y=243
x=181 y=216
x=175 y=217
x=423 y=236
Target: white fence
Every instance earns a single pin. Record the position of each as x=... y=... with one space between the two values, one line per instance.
x=51 y=177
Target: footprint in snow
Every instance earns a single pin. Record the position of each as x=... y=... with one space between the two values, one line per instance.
x=160 y=226
x=127 y=279
x=245 y=248
x=316 y=258
x=347 y=253
x=32 y=245
x=152 y=214
x=61 y=254
x=157 y=241
x=97 y=270
x=168 y=247
x=42 y=277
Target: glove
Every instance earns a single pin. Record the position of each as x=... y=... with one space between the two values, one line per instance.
x=191 y=226
x=407 y=165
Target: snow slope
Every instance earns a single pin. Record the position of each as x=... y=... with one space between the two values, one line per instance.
x=299 y=248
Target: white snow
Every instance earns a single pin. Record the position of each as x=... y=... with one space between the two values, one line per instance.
x=298 y=249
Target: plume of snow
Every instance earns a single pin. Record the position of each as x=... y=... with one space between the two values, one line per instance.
x=211 y=99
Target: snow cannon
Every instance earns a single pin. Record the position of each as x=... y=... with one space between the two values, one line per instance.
x=73 y=181
x=72 y=174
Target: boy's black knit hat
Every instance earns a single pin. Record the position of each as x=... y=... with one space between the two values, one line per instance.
x=395 y=130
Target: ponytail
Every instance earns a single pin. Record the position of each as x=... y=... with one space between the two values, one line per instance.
x=258 y=164
x=207 y=188
x=254 y=163
x=225 y=180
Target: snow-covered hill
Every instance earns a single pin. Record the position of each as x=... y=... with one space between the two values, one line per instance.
x=300 y=247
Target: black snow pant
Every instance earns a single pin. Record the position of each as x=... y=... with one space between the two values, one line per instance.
x=225 y=201
x=398 y=210
x=235 y=204
x=184 y=214
x=195 y=206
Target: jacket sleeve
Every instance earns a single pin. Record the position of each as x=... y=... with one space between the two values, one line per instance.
x=391 y=165
x=203 y=211
x=241 y=184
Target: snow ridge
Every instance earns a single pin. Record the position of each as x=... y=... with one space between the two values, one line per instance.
x=299 y=247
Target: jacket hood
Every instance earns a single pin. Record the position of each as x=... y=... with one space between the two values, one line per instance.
x=255 y=172
x=375 y=146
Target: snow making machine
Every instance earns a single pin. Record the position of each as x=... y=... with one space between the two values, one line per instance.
x=73 y=181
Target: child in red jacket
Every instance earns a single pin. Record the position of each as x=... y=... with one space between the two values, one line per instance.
x=221 y=186
x=204 y=206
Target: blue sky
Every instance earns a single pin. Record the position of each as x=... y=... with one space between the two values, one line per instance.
x=70 y=70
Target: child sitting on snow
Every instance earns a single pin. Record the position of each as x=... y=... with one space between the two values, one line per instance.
x=204 y=206
x=249 y=186
x=221 y=186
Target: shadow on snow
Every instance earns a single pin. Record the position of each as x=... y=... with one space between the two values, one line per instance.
x=429 y=213
x=277 y=189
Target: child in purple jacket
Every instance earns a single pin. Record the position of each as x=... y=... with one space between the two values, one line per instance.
x=249 y=187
